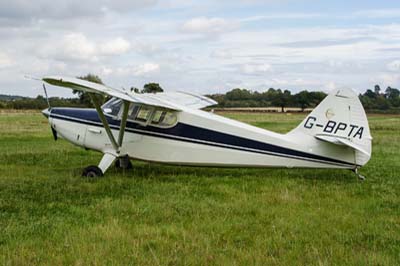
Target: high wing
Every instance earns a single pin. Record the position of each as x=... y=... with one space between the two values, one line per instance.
x=94 y=88
x=186 y=99
x=169 y=100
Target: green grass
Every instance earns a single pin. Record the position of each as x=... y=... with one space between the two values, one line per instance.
x=167 y=215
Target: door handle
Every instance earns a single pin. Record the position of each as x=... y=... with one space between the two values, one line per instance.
x=94 y=130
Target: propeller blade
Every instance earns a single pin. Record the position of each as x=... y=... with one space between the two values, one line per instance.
x=47 y=97
x=54 y=133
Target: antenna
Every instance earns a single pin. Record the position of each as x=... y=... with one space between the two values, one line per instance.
x=47 y=97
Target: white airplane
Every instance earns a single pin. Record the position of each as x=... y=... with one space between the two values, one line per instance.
x=171 y=128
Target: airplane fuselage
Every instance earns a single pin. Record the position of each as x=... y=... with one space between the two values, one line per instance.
x=200 y=138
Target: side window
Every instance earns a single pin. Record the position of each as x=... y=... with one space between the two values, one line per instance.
x=157 y=117
x=169 y=119
x=144 y=113
x=133 y=110
x=150 y=115
x=163 y=118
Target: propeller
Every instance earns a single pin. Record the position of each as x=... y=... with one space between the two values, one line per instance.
x=47 y=97
x=54 y=133
x=45 y=112
x=48 y=111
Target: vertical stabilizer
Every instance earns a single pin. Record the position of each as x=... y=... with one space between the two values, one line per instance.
x=341 y=120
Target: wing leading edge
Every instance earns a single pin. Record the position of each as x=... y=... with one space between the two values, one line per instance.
x=169 y=100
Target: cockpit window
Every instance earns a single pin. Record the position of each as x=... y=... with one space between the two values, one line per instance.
x=142 y=114
x=112 y=107
x=133 y=109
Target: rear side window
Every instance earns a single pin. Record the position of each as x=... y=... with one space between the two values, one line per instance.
x=169 y=119
x=164 y=118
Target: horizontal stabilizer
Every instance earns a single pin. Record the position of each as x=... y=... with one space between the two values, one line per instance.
x=341 y=141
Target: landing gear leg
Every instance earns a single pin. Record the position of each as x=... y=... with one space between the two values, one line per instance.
x=361 y=177
x=123 y=162
x=98 y=171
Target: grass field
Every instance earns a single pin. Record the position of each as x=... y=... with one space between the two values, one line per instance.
x=166 y=215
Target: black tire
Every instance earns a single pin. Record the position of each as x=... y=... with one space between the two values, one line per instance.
x=92 y=171
x=118 y=163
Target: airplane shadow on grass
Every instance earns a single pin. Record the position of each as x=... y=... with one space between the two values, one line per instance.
x=174 y=173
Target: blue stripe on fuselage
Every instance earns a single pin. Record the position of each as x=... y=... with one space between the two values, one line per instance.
x=191 y=133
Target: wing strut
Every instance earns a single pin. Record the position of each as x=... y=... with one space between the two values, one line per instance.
x=103 y=119
x=123 y=122
x=109 y=157
x=116 y=145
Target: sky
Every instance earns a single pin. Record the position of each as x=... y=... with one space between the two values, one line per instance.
x=201 y=46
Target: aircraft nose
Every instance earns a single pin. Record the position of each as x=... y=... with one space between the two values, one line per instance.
x=46 y=112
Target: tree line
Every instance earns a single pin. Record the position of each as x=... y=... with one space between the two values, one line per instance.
x=270 y=98
x=83 y=99
x=376 y=100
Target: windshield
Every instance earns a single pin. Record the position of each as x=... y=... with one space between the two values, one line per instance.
x=112 y=107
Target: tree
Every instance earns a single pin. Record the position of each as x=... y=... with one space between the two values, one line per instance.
x=316 y=97
x=219 y=98
x=370 y=94
x=282 y=99
x=238 y=95
x=269 y=95
x=303 y=99
x=92 y=78
x=135 y=90
x=367 y=102
x=152 y=88
x=393 y=95
x=377 y=90
x=84 y=98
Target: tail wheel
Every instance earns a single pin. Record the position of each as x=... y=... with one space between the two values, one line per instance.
x=92 y=171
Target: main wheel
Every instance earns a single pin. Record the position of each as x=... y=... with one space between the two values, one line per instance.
x=92 y=171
